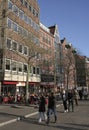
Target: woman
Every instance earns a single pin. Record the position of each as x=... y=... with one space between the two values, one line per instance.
x=42 y=108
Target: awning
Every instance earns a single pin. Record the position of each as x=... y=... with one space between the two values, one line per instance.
x=10 y=82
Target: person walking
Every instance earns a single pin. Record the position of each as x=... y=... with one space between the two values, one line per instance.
x=51 y=107
x=42 y=109
x=64 y=99
x=76 y=96
x=71 y=100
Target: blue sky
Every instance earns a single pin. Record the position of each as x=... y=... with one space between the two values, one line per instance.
x=72 y=18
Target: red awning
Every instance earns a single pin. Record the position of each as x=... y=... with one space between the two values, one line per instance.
x=10 y=82
x=16 y=82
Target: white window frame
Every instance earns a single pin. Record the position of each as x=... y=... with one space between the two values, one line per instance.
x=10 y=7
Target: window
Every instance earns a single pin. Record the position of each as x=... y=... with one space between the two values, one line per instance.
x=20 y=48
x=8 y=43
x=37 y=15
x=14 y=45
x=26 y=4
x=15 y=9
x=29 y=21
x=9 y=23
x=13 y=66
x=37 y=27
x=20 y=29
x=25 y=32
x=34 y=71
x=21 y=14
x=33 y=11
x=15 y=27
x=7 y=64
x=25 y=18
x=25 y=68
x=10 y=5
x=25 y=50
x=20 y=67
x=22 y=1
x=30 y=8
x=30 y=69
x=38 y=71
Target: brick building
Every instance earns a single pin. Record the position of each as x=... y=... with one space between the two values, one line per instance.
x=47 y=67
x=19 y=37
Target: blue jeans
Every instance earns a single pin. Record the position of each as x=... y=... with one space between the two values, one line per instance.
x=50 y=112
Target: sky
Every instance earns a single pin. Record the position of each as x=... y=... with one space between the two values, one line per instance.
x=72 y=18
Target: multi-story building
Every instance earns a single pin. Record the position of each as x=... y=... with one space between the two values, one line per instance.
x=19 y=39
x=47 y=66
x=57 y=52
x=68 y=65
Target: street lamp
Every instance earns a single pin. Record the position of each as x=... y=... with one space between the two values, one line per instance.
x=54 y=69
x=27 y=78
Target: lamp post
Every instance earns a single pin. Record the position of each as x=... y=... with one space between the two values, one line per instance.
x=27 y=78
x=27 y=82
x=54 y=69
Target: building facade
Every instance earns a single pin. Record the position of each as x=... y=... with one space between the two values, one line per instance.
x=68 y=65
x=47 y=67
x=19 y=36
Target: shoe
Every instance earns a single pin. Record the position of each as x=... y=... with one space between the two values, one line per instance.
x=55 y=119
x=47 y=122
x=39 y=121
x=67 y=110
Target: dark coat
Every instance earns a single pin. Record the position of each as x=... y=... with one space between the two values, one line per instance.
x=42 y=104
x=70 y=96
x=51 y=102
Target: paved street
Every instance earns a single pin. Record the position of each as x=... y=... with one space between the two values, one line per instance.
x=77 y=120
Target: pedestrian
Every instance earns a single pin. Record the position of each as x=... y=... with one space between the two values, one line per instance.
x=42 y=108
x=80 y=94
x=51 y=107
x=64 y=99
x=76 y=95
x=71 y=100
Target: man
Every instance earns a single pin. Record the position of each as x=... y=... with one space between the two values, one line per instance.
x=51 y=107
x=71 y=100
x=64 y=99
